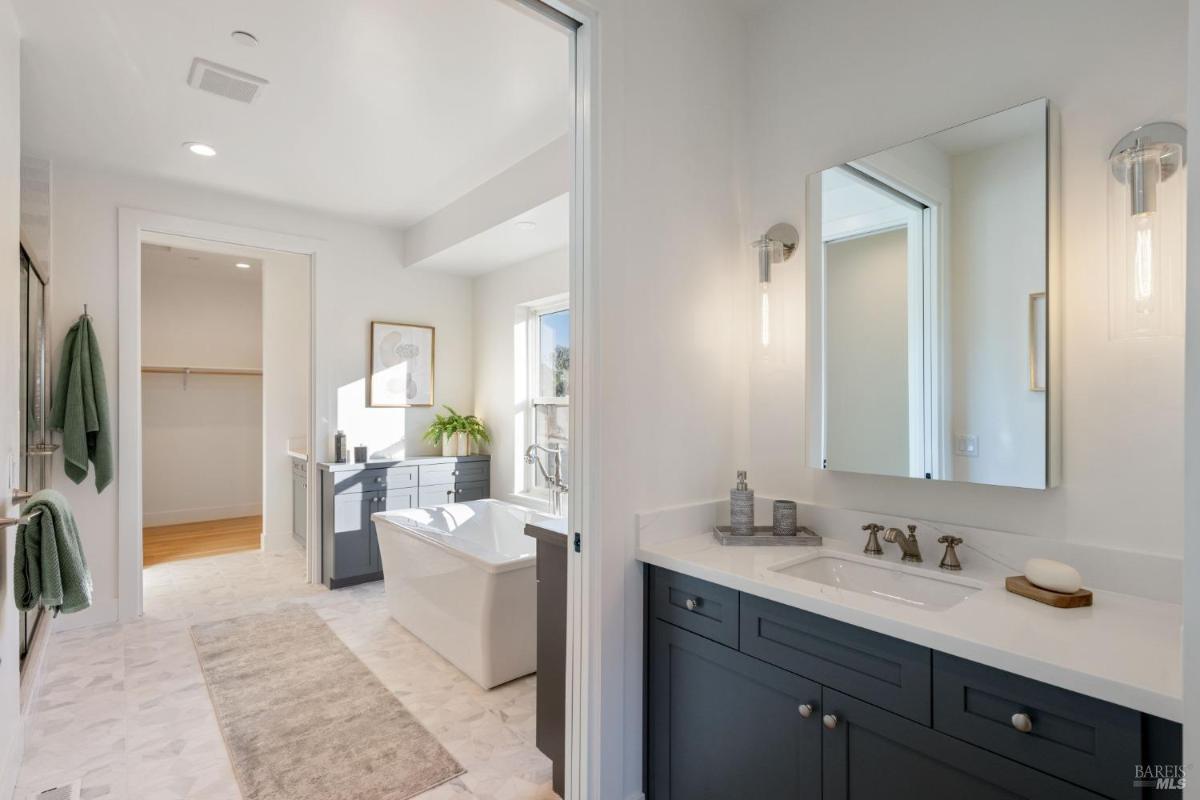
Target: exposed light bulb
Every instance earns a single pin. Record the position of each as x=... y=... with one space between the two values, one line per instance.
x=1143 y=263
x=764 y=314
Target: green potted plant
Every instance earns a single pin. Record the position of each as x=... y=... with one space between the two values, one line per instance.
x=456 y=432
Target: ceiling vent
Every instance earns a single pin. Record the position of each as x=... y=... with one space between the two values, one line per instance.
x=224 y=81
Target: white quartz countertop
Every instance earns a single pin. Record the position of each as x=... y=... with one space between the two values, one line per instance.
x=300 y=454
x=1123 y=649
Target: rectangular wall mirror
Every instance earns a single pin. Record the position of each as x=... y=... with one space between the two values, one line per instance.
x=928 y=294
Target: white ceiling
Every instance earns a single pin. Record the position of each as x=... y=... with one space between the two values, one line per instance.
x=506 y=243
x=182 y=262
x=385 y=110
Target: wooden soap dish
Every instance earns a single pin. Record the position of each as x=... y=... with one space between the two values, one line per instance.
x=1019 y=584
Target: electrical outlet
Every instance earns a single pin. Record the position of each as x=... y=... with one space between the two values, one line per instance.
x=966 y=445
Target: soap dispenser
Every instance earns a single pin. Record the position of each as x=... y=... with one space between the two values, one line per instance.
x=741 y=507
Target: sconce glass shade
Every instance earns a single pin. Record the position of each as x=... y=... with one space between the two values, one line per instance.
x=1146 y=211
x=775 y=247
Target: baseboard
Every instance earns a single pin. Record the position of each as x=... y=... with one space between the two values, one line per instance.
x=279 y=542
x=10 y=767
x=103 y=611
x=185 y=515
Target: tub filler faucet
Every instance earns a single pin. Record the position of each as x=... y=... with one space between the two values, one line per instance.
x=553 y=476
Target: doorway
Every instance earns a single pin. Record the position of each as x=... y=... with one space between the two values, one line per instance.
x=221 y=365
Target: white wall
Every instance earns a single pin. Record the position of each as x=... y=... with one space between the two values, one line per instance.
x=1191 y=582
x=997 y=257
x=201 y=442
x=359 y=278
x=830 y=82
x=285 y=386
x=10 y=347
x=499 y=374
x=667 y=291
x=866 y=372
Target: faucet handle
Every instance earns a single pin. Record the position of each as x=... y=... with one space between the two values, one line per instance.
x=872 y=547
x=950 y=557
x=912 y=530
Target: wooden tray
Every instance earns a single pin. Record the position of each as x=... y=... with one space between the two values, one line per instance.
x=1019 y=584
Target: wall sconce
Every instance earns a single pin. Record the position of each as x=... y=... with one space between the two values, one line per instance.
x=1146 y=228
x=776 y=246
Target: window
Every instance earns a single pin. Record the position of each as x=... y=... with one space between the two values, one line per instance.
x=549 y=387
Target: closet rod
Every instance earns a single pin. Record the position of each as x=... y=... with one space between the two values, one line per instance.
x=202 y=370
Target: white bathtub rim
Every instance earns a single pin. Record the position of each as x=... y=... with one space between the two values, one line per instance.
x=438 y=539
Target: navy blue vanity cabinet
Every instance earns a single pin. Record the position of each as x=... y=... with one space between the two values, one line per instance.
x=748 y=698
x=724 y=725
x=872 y=754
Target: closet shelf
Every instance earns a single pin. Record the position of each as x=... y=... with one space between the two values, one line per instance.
x=201 y=371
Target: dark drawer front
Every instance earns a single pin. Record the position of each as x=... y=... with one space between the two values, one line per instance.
x=695 y=605
x=452 y=493
x=887 y=672
x=463 y=472
x=374 y=479
x=1080 y=739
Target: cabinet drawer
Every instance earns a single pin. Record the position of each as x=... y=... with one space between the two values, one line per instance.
x=887 y=672
x=695 y=605
x=371 y=479
x=454 y=472
x=1081 y=739
x=452 y=493
x=871 y=753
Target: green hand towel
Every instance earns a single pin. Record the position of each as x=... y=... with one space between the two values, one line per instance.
x=80 y=407
x=49 y=567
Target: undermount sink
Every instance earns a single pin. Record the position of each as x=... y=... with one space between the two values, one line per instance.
x=894 y=584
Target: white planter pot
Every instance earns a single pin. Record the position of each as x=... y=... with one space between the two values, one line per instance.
x=464 y=444
x=450 y=445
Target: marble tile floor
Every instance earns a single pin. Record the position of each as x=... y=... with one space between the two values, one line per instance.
x=125 y=707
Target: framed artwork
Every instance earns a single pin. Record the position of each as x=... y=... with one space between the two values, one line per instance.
x=401 y=365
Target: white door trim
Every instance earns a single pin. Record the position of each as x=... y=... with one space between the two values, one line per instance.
x=132 y=224
x=585 y=611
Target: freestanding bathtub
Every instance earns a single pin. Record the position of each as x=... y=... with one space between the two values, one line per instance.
x=461 y=577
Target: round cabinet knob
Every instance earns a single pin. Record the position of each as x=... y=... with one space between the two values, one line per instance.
x=830 y=721
x=1022 y=722
x=453 y=472
x=692 y=604
x=805 y=710
x=379 y=480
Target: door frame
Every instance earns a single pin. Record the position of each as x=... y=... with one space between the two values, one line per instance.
x=585 y=609
x=133 y=225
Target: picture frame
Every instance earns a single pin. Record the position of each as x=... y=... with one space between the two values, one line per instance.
x=401 y=365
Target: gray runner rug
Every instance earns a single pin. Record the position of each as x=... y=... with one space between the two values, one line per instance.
x=304 y=719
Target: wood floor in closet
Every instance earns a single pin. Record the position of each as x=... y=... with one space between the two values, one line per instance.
x=163 y=543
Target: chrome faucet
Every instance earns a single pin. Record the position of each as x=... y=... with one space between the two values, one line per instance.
x=553 y=476
x=908 y=543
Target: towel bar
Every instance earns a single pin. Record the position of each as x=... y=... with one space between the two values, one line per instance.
x=7 y=522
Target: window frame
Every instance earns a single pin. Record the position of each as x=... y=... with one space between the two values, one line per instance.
x=533 y=343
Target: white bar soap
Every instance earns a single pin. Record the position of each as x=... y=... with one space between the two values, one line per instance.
x=1053 y=576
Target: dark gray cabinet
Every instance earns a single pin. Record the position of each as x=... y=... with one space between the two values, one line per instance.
x=872 y=754
x=726 y=725
x=300 y=501
x=551 y=572
x=892 y=720
x=351 y=493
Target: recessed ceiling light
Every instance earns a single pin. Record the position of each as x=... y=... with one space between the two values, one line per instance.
x=242 y=265
x=244 y=38
x=526 y=225
x=201 y=149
